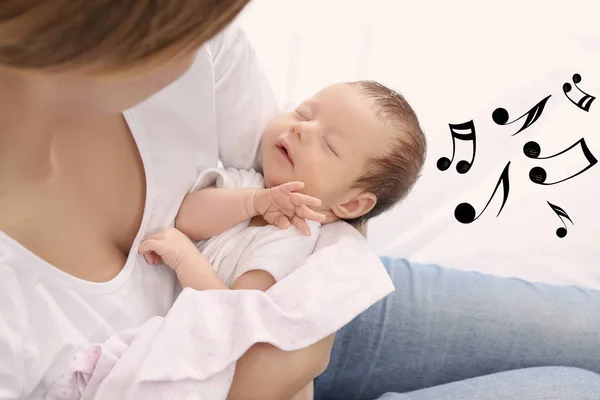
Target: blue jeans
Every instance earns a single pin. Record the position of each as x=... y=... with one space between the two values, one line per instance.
x=443 y=326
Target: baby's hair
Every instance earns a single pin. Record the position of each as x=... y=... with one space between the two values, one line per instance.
x=392 y=176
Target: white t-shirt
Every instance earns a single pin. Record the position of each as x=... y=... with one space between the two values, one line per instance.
x=245 y=248
x=218 y=109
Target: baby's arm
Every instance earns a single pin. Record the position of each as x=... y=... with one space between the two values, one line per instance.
x=177 y=251
x=193 y=270
x=208 y=212
x=211 y=211
x=172 y=247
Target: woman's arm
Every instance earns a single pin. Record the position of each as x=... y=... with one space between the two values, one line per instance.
x=266 y=373
x=262 y=280
x=307 y=393
x=245 y=102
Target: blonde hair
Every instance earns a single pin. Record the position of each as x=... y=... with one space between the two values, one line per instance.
x=111 y=35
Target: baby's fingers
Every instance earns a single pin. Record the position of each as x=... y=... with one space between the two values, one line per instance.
x=307 y=213
x=301 y=224
x=291 y=186
x=152 y=245
x=299 y=199
x=282 y=222
x=152 y=258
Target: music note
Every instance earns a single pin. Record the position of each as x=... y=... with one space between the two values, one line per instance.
x=560 y=232
x=501 y=117
x=538 y=174
x=465 y=132
x=465 y=213
x=585 y=102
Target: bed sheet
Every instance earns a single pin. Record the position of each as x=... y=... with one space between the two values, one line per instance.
x=515 y=81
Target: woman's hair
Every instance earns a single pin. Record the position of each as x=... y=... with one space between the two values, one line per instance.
x=111 y=35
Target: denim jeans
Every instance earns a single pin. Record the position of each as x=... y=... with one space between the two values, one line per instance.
x=443 y=325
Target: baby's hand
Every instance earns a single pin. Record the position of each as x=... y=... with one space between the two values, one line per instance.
x=282 y=206
x=169 y=246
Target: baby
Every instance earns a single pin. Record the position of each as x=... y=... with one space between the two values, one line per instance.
x=349 y=153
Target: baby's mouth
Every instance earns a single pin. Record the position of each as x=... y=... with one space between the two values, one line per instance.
x=286 y=153
x=284 y=147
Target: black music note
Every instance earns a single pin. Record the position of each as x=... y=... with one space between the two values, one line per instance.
x=465 y=213
x=538 y=174
x=585 y=102
x=560 y=232
x=466 y=132
x=500 y=115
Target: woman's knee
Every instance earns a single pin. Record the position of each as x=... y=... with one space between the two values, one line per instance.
x=571 y=383
x=558 y=383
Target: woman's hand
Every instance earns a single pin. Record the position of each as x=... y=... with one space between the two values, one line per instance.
x=282 y=206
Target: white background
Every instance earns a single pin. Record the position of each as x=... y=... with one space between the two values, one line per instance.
x=456 y=61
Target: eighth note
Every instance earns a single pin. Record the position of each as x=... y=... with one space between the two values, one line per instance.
x=465 y=213
x=464 y=132
x=501 y=117
x=585 y=102
x=538 y=174
x=560 y=232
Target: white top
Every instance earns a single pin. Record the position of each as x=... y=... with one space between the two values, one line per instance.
x=192 y=352
x=245 y=248
x=216 y=110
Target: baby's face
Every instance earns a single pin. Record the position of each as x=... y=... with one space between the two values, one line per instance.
x=326 y=142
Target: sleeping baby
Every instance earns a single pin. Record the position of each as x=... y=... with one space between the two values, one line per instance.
x=348 y=153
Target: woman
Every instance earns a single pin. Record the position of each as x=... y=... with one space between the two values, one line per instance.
x=83 y=181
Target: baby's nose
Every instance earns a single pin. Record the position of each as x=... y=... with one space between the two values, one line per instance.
x=306 y=130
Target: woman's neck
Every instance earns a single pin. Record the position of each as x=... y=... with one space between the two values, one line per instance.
x=28 y=125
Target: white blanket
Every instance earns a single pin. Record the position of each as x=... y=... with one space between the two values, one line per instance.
x=191 y=353
x=458 y=61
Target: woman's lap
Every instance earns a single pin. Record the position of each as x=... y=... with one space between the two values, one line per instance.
x=443 y=325
x=544 y=383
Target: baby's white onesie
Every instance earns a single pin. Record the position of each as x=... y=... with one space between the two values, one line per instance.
x=244 y=248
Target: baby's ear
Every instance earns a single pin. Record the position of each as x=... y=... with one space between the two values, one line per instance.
x=356 y=206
